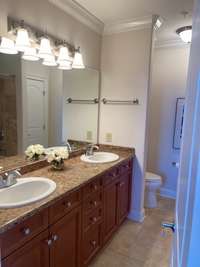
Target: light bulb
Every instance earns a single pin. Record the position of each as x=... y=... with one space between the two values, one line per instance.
x=45 y=51
x=7 y=46
x=30 y=54
x=185 y=34
x=50 y=61
x=22 y=40
x=78 y=61
x=63 y=54
x=65 y=65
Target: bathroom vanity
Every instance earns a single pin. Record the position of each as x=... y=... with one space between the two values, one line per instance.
x=73 y=224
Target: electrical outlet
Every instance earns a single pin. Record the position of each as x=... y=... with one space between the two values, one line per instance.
x=89 y=135
x=108 y=137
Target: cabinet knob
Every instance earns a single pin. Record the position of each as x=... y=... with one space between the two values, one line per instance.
x=95 y=187
x=69 y=204
x=95 y=203
x=121 y=184
x=27 y=231
x=94 y=219
x=55 y=237
x=49 y=242
x=93 y=243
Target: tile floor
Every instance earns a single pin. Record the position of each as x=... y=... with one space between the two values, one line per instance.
x=140 y=245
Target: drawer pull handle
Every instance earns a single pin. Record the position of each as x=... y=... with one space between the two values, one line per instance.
x=94 y=219
x=27 y=231
x=69 y=204
x=55 y=238
x=94 y=243
x=49 y=242
x=121 y=184
x=94 y=203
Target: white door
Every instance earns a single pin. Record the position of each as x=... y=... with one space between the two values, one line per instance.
x=36 y=122
x=187 y=219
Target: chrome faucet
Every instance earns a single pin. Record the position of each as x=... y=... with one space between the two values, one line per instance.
x=90 y=149
x=9 y=178
x=69 y=146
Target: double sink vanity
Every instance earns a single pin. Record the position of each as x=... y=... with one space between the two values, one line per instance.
x=64 y=218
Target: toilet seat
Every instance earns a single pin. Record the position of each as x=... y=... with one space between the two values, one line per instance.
x=152 y=177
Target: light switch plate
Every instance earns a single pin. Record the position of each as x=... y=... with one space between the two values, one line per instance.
x=108 y=137
x=89 y=135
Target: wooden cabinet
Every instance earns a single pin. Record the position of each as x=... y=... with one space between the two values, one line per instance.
x=65 y=236
x=73 y=229
x=124 y=188
x=33 y=254
x=110 y=210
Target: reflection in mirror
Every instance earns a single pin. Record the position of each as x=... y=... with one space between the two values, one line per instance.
x=35 y=107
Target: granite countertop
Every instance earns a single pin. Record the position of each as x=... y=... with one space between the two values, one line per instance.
x=75 y=175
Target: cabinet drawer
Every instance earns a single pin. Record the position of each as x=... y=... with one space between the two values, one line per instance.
x=91 y=244
x=92 y=202
x=125 y=166
x=63 y=206
x=93 y=218
x=23 y=232
x=111 y=176
x=92 y=187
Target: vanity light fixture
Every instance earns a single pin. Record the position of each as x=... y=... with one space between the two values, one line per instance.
x=78 y=60
x=50 y=61
x=65 y=66
x=63 y=54
x=185 y=33
x=30 y=54
x=22 y=39
x=45 y=51
x=7 y=46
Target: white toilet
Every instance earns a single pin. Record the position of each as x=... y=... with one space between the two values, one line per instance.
x=152 y=184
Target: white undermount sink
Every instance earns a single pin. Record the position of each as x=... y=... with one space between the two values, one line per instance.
x=100 y=157
x=26 y=191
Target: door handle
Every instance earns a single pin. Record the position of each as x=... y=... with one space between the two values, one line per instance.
x=169 y=225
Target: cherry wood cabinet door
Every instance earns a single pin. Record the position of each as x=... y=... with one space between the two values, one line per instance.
x=110 y=210
x=123 y=197
x=65 y=249
x=34 y=254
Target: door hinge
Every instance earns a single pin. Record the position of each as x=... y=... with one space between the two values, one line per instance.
x=44 y=93
x=44 y=127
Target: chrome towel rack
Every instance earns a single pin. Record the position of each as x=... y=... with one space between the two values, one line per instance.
x=120 y=102
x=82 y=101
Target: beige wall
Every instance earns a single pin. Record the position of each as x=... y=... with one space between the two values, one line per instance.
x=45 y=16
x=125 y=76
x=168 y=82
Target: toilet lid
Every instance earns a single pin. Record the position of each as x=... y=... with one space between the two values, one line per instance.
x=152 y=177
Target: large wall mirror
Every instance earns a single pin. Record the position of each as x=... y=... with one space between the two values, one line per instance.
x=44 y=105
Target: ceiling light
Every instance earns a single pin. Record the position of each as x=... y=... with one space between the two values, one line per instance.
x=22 y=40
x=63 y=54
x=45 y=49
x=78 y=60
x=50 y=61
x=7 y=46
x=30 y=54
x=65 y=65
x=185 y=34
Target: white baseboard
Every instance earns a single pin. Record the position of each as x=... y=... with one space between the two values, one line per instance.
x=164 y=192
x=137 y=216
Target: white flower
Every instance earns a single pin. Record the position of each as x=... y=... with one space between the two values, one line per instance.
x=34 y=150
x=58 y=155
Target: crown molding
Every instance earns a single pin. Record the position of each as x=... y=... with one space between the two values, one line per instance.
x=170 y=43
x=128 y=25
x=72 y=8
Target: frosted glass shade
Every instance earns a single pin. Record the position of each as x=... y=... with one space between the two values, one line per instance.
x=50 y=61
x=65 y=65
x=30 y=54
x=78 y=61
x=7 y=46
x=63 y=54
x=185 y=34
x=22 y=40
x=45 y=51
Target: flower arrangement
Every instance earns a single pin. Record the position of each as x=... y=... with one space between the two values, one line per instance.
x=34 y=152
x=56 y=158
